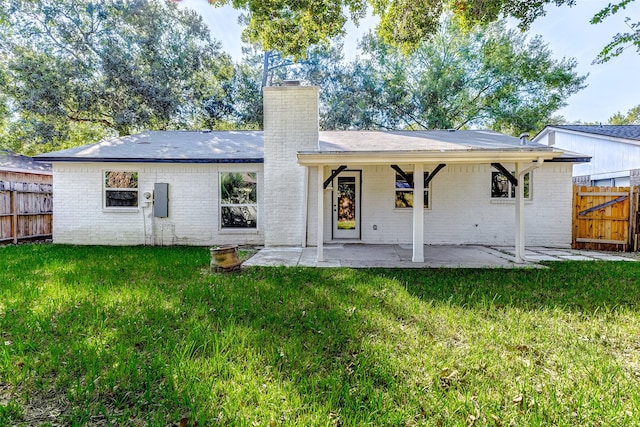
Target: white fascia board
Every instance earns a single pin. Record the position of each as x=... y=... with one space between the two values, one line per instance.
x=448 y=157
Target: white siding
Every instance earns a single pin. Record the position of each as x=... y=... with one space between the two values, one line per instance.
x=79 y=216
x=462 y=211
x=609 y=158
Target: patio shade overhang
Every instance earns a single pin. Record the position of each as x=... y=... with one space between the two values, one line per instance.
x=330 y=158
x=343 y=149
x=433 y=146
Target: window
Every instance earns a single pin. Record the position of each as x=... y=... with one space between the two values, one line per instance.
x=120 y=189
x=501 y=188
x=238 y=200
x=404 y=191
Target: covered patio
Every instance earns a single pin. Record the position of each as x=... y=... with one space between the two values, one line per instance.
x=355 y=255
x=419 y=152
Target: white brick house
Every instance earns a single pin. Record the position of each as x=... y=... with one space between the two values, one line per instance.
x=291 y=183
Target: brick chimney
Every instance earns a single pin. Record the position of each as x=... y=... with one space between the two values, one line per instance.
x=290 y=126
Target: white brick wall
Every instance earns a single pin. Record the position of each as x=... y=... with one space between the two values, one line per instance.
x=290 y=125
x=194 y=213
x=462 y=211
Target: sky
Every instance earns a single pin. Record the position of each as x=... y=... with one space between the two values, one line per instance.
x=611 y=87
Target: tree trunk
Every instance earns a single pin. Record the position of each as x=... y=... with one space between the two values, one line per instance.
x=265 y=67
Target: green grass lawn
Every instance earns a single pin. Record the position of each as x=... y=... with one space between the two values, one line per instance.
x=146 y=336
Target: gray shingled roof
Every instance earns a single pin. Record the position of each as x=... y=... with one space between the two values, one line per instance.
x=248 y=146
x=170 y=146
x=17 y=162
x=615 y=131
x=431 y=140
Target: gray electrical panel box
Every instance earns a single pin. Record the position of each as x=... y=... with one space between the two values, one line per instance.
x=161 y=200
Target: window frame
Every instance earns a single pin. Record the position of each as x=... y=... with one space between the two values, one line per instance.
x=427 y=191
x=222 y=205
x=106 y=189
x=511 y=195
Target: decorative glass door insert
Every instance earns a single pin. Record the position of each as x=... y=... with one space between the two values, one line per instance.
x=346 y=206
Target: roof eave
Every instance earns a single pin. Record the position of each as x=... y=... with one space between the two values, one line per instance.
x=21 y=170
x=146 y=160
x=448 y=157
x=561 y=159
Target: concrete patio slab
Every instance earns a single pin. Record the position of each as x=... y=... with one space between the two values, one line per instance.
x=551 y=252
x=609 y=257
x=386 y=256
x=576 y=258
x=355 y=255
x=555 y=254
x=289 y=257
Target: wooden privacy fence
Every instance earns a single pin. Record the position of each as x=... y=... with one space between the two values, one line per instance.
x=605 y=218
x=25 y=211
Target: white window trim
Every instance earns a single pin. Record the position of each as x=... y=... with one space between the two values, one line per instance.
x=243 y=230
x=106 y=208
x=507 y=200
x=428 y=189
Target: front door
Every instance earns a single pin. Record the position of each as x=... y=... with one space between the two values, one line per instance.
x=346 y=205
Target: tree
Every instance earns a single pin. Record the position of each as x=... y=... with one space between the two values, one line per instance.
x=490 y=77
x=112 y=66
x=293 y=26
x=290 y=27
x=240 y=102
x=631 y=118
x=621 y=41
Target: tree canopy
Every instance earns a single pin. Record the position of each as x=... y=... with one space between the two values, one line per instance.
x=622 y=40
x=292 y=26
x=94 y=68
x=489 y=77
x=74 y=71
x=632 y=117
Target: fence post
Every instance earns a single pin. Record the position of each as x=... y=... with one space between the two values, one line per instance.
x=574 y=220
x=14 y=218
x=635 y=231
x=632 y=222
x=634 y=201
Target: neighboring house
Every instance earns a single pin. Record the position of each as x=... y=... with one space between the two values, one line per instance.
x=614 y=152
x=291 y=183
x=25 y=198
x=18 y=168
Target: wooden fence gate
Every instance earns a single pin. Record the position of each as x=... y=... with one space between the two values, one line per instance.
x=605 y=218
x=25 y=211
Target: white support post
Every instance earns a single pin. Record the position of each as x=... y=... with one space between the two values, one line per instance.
x=520 y=173
x=418 y=213
x=519 y=242
x=305 y=207
x=319 y=243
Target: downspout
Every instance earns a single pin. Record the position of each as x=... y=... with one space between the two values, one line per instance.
x=519 y=241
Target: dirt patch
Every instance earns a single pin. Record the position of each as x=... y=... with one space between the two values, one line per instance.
x=39 y=408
